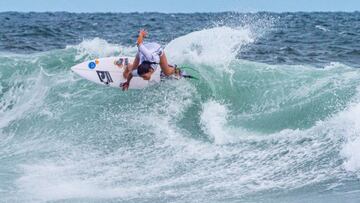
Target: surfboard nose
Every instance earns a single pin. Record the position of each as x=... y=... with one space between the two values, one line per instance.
x=75 y=69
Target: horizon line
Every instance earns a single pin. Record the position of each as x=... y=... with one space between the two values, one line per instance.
x=196 y=12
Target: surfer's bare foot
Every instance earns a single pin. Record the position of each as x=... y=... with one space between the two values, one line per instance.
x=177 y=71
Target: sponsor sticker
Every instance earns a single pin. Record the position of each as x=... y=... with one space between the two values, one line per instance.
x=92 y=65
x=104 y=77
x=121 y=62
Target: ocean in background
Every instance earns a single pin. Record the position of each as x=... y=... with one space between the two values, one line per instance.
x=275 y=116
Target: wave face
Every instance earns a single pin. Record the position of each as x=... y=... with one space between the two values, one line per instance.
x=274 y=116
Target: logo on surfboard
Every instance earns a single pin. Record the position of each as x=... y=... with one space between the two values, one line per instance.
x=92 y=65
x=104 y=77
x=121 y=62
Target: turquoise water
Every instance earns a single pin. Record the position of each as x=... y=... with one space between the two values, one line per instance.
x=247 y=131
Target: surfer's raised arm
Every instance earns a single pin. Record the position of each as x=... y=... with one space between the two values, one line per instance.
x=136 y=62
x=130 y=69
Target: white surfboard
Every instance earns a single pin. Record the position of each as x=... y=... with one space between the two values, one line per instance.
x=109 y=72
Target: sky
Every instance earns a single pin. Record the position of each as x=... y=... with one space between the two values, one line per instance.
x=179 y=6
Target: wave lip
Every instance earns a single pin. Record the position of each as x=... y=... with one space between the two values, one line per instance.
x=213 y=46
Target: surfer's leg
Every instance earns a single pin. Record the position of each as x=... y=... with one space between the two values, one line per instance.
x=131 y=66
x=166 y=69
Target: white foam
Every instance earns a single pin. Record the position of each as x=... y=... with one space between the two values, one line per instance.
x=215 y=46
x=351 y=149
x=336 y=65
x=322 y=28
x=50 y=182
x=351 y=152
x=98 y=47
x=213 y=119
x=23 y=96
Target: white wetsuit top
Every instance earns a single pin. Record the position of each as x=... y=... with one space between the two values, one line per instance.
x=149 y=52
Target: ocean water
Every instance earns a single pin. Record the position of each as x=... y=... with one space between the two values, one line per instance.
x=275 y=116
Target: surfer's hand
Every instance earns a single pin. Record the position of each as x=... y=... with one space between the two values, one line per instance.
x=141 y=36
x=125 y=86
x=143 y=33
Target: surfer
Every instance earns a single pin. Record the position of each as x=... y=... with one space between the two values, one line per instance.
x=149 y=57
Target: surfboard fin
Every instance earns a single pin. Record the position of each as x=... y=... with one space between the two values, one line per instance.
x=190 y=77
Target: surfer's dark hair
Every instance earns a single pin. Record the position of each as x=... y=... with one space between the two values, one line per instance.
x=144 y=68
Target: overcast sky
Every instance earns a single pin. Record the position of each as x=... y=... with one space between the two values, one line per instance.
x=174 y=6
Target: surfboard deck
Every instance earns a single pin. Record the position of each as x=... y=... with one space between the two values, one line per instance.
x=109 y=71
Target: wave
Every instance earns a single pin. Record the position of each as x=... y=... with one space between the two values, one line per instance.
x=244 y=128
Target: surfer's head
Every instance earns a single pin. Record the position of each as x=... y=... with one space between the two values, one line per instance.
x=145 y=70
